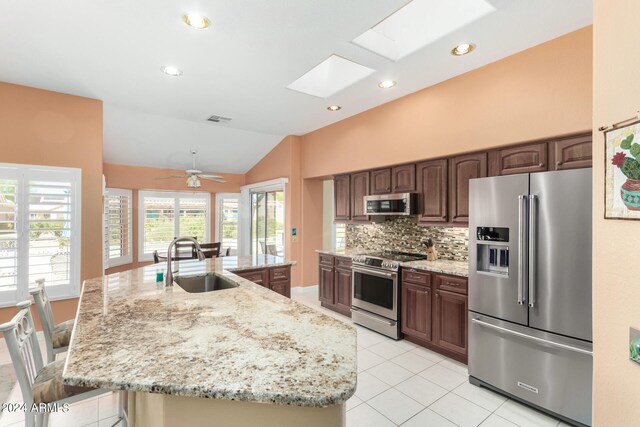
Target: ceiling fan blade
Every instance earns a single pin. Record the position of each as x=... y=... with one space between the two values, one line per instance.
x=173 y=176
x=209 y=175
x=220 y=180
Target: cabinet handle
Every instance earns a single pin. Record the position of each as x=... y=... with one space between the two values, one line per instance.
x=558 y=163
x=540 y=165
x=451 y=284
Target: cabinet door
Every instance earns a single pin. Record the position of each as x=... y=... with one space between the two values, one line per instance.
x=571 y=153
x=403 y=178
x=432 y=191
x=326 y=285
x=416 y=311
x=283 y=288
x=342 y=290
x=461 y=170
x=521 y=159
x=381 y=181
x=342 y=199
x=451 y=321
x=359 y=189
x=261 y=277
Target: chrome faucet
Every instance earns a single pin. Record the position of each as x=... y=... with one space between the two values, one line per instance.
x=201 y=257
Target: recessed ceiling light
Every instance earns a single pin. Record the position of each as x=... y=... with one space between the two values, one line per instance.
x=386 y=84
x=462 y=49
x=170 y=70
x=334 y=107
x=196 y=21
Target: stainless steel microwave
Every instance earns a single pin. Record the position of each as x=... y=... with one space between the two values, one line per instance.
x=391 y=204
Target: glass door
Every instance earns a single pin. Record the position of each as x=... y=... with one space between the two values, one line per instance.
x=267 y=222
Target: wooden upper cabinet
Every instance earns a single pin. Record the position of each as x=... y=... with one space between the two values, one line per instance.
x=432 y=191
x=381 y=181
x=522 y=159
x=571 y=153
x=359 y=189
x=342 y=199
x=403 y=178
x=461 y=170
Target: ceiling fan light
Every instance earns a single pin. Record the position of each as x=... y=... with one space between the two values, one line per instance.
x=193 y=182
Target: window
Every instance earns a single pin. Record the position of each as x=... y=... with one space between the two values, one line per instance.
x=227 y=221
x=39 y=231
x=118 y=221
x=163 y=215
x=340 y=236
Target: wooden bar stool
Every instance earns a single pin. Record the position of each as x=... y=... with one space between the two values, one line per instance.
x=39 y=383
x=56 y=337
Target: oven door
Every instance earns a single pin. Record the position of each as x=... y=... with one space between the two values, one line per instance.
x=375 y=291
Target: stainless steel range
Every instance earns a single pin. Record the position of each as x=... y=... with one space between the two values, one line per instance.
x=376 y=290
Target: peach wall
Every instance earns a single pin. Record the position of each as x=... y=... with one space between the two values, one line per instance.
x=145 y=178
x=616 y=288
x=540 y=92
x=283 y=161
x=40 y=127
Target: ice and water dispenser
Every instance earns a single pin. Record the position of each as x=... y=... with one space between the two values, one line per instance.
x=493 y=250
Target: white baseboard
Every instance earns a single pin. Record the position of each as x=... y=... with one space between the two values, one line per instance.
x=304 y=289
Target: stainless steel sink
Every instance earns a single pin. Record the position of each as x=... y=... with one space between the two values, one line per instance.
x=208 y=283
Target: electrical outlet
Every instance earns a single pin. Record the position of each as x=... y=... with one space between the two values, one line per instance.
x=634 y=344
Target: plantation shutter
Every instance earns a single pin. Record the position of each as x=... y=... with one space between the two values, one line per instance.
x=118 y=227
x=166 y=215
x=8 y=236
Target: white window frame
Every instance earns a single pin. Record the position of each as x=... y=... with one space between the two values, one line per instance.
x=23 y=174
x=244 y=211
x=220 y=197
x=127 y=259
x=176 y=195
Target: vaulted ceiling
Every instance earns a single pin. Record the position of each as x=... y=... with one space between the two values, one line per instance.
x=241 y=65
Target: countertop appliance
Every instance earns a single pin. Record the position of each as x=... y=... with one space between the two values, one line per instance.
x=391 y=204
x=376 y=290
x=530 y=289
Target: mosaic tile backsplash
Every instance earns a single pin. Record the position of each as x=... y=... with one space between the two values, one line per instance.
x=404 y=234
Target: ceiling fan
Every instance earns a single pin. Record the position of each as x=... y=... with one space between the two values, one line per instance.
x=194 y=175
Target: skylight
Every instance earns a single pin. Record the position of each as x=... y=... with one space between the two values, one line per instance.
x=330 y=76
x=420 y=23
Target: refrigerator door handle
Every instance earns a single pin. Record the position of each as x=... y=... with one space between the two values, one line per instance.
x=522 y=248
x=533 y=221
x=532 y=338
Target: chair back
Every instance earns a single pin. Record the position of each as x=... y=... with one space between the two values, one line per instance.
x=45 y=314
x=211 y=250
x=20 y=336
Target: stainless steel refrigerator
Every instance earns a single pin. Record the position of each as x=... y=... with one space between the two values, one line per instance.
x=530 y=289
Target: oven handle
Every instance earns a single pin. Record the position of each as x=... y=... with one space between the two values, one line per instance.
x=371 y=271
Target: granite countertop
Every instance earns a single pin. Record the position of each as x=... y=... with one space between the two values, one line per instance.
x=246 y=343
x=445 y=266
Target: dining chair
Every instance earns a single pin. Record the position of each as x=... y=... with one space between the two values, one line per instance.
x=56 y=337
x=41 y=385
x=211 y=250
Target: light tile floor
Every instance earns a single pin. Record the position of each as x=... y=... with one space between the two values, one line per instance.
x=399 y=383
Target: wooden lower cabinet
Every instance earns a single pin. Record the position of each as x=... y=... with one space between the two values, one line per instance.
x=334 y=283
x=278 y=279
x=416 y=311
x=434 y=312
x=451 y=321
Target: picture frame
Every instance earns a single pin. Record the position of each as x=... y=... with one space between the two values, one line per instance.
x=622 y=172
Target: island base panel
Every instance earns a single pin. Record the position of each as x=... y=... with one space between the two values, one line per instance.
x=161 y=410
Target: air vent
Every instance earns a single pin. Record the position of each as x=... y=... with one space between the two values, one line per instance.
x=219 y=119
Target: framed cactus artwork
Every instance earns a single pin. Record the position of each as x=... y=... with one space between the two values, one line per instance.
x=622 y=172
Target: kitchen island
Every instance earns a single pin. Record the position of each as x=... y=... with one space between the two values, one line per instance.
x=232 y=357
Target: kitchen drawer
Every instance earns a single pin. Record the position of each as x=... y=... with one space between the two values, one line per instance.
x=342 y=262
x=278 y=274
x=261 y=277
x=452 y=284
x=326 y=259
x=416 y=277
